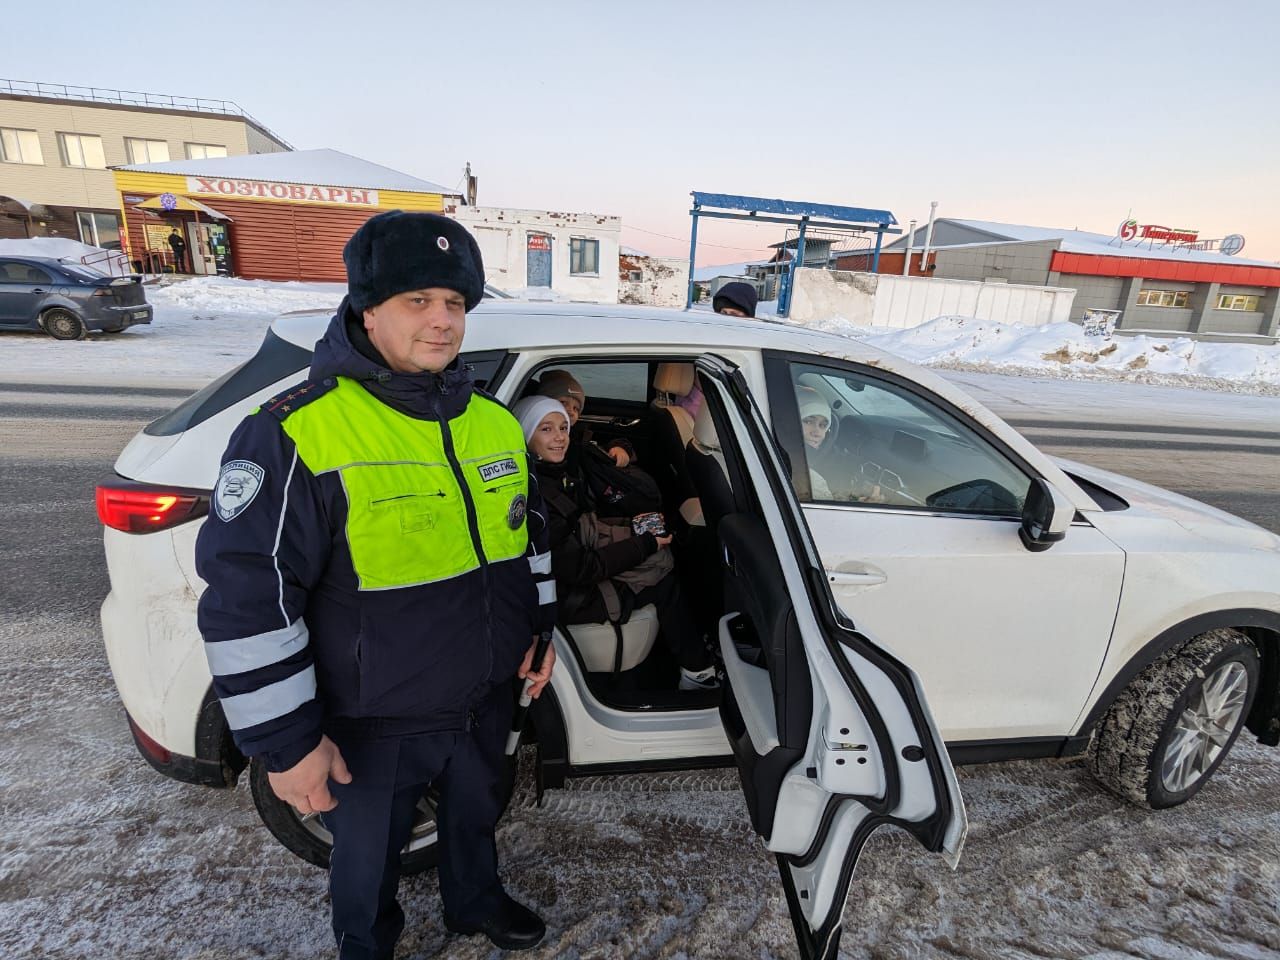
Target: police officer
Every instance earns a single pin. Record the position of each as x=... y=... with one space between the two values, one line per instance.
x=377 y=567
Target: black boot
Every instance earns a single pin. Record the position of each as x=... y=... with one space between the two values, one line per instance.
x=513 y=927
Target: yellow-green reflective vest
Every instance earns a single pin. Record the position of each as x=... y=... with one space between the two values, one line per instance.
x=411 y=484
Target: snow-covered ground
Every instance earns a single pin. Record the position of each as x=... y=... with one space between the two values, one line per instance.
x=1063 y=350
x=206 y=325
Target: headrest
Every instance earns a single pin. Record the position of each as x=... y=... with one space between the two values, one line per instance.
x=674 y=378
x=704 y=431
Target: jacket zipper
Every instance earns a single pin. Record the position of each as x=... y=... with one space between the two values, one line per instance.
x=472 y=525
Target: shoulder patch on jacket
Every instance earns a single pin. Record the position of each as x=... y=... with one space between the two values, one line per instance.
x=299 y=395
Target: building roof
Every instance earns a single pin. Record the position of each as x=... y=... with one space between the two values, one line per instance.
x=329 y=168
x=1081 y=241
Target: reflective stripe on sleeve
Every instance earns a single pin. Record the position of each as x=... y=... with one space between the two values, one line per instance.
x=540 y=563
x=228 y=657
x=272 y=701
x=547 y=592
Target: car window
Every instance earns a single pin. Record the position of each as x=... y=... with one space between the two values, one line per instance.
x=17 y=272
x=81 y=272
x=868 y=441
x=628 y=381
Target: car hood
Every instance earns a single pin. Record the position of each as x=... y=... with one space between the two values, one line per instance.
x=1191 y=515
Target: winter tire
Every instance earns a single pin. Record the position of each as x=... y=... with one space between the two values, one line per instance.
x=1169 y=730
x=306 y=836
x=62 y=324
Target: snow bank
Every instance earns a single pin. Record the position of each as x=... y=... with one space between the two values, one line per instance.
x=1063 y=350
x=201 y=328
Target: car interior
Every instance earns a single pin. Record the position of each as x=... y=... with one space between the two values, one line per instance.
x=627 y=665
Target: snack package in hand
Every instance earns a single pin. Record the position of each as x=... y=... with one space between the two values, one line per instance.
x=653 y=523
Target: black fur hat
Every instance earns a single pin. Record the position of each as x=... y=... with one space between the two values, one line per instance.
x=736 y=294
x=397 y=251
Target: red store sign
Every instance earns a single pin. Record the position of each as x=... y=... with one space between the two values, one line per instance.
x=1133 y=230
x=292 y=192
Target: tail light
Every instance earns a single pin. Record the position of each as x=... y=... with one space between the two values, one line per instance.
x=145 y=508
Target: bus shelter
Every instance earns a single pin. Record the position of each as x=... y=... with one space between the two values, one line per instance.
x=830 y=218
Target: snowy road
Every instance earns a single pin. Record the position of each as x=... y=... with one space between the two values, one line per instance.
x=100 y=857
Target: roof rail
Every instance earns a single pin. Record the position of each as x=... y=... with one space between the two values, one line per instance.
x=132 y=98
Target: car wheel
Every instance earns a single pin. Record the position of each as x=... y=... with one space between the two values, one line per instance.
x=62 y=324
x=1172 y=726
x=305 y=835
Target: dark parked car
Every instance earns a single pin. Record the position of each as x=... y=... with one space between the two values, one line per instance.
x=66 y=300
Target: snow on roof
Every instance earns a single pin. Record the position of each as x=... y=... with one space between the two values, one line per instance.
x=631 y=252
x=328 y=168
x=1099 y=244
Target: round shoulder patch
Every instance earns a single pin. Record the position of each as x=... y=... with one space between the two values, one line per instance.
x=442 y=243
x=238 y=483
x=515 y=512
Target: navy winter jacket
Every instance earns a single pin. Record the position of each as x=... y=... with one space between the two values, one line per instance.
x=298 y=641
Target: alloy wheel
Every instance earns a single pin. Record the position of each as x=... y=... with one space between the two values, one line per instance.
x=1205 y=727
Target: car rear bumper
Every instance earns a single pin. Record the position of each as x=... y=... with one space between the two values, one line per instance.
x=117 y=318
x=206 y=773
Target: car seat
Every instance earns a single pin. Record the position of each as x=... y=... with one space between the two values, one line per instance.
x=673 y=430
x=609 y=647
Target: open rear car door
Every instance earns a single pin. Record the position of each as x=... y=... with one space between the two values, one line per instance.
x=831 y=734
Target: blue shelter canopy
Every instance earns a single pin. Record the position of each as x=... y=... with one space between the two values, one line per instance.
x=792 y=212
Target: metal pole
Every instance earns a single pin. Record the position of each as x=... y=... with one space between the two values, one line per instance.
x=928 y=239
x=693 y=248
x=784 y=309
x=911 y=238
x=875 y=260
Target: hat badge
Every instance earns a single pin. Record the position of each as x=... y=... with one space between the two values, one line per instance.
x=442 y=243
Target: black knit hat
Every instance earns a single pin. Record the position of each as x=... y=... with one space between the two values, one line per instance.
x=397 y=251
x=737 y=294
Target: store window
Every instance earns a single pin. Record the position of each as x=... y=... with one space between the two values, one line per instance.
x=1163 y=298
x=205 y=151
x=20 y=146
x=1235 y=301
x=584 y=256
x=99 y=229
x=146 y=151
x=82 y=150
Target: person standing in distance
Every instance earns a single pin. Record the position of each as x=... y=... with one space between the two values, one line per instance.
x=179 y=247
x=735 y=299
x=377 y=564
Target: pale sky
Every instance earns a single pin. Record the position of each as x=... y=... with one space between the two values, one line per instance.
x=1058 y=115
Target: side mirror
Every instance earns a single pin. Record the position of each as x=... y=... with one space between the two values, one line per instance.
x=1046 y=514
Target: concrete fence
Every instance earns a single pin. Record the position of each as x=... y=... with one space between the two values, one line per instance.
x=886 y=300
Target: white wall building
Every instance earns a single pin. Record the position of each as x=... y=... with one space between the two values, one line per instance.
x=655 y=281
x=572 y=255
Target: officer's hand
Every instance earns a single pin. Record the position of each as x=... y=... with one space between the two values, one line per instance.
x=305 y=785
x=620 y=456
x=543 y=676
x=664 y=540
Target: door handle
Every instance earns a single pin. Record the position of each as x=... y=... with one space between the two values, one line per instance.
x=867 y=576
x=38 y=290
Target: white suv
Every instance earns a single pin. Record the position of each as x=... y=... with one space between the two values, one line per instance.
x=1048 y=607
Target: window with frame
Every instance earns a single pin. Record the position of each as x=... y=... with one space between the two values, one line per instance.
x=584 y=256
x=20 y=146
x=146 y=151
x=205 y=151
x=1237 y=301
x=869 y=442
x=635 y=276
x=82 y=150
x=1163 y=298
x=15 y=271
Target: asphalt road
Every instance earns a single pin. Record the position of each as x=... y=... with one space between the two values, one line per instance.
x=101 y=857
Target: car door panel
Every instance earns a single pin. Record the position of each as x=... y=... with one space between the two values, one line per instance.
x=831 y=735
x=917 y=521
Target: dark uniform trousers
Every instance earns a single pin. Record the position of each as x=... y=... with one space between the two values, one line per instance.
x=375 y=813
